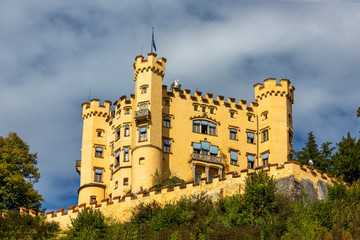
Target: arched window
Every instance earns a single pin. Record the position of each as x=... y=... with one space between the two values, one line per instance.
x=197 y=177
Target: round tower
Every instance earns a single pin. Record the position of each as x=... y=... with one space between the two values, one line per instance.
x=275 y=127
x=93 y=151
x=147 y=152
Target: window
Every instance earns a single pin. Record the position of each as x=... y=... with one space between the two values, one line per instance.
x=213 y=150
x=126 y=154
x=203 y=109
x=249 y=118
x=143 y=106
x=265 y=158
x=234 y=158
x=117 y=157
x=211 y=177
x=116 y=184
x=250 y=137
x=264 y=116
x=251 y=160
x=127 y=130
x=233 y=133
x=117 y=134
x=195 y=108
x=212 y=129
x=232 y=115
x=211 y=111
x=144 y=90
x=265 y=135
x=98 y=175
x=141 y=161
x=143 y=134
x=205 y=147
x=127 y=111
x=197 y=177
x=167 y=103
x=99 y=132
x=167 y=145
x=99 y=152
x=92 y=198
x=126 y=181
x=196 y=126
x=197 y=147
x=167 y=122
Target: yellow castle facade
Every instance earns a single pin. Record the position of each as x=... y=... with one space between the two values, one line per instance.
x=159 y=133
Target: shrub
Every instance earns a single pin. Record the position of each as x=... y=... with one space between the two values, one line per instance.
x=16 y=225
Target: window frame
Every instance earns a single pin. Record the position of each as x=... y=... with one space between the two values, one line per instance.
x=234 y=160
x=250 y=163
x=233 y=133
x=142 y=135
x=126 y=154
x=249 y=139
x=265 y=135
x=167 y=121
x=167 y=145
x=99 y=153
x=98 y=176
x=126 y=182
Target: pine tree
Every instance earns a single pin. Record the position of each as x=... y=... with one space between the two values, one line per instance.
x=309 y=152
x=347 y=159
x=18 y=175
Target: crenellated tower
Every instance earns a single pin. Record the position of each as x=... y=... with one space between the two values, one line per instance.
x=93 y=169
x=274 y=119
x=147 y=152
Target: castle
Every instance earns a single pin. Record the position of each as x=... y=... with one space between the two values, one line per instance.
x=161 y=133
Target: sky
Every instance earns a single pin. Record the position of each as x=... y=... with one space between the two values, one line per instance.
x=53 y=52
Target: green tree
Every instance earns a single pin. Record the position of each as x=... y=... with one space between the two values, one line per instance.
x=18 y=175
x=347 y=159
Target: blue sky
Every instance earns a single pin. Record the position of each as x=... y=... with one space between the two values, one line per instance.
x=52 y=52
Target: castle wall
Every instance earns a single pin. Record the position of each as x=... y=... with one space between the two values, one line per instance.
x=120 y=207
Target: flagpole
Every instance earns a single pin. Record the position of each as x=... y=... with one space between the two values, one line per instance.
x=152 y=40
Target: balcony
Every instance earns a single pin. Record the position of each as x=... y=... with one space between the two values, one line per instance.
x=78 y=166
x=206 y=158
x=142 y=116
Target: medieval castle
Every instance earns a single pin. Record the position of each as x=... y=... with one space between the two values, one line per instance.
x=173 y=133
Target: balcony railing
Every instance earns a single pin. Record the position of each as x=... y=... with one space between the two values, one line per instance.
x=206 y=158
x=142 y=115
x=78 y=166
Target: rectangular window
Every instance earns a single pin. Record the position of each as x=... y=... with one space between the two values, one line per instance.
x=234 y=158
x=249 y=118
x=166 y=122
x=205 y=147
x=265 y=135
x=195 y=108
x=98 y=175
x=250 y=137
x=167 y=145
x=117 y=134
x=203 y=109
x=143 y=134
x=197 y=147
x=251 y=160
x=92 y=198
x=143 y=106
x=126 y=154
x=204 y=127
x=211 y=111
x=167 y=103
x=213 y=150
x=232 y=115
x=212 y=129
x=196 y=126
x=99 y=152
x=127 y=111
x=126 y=181
x=144 y=90
x=117 y=157
x=265 y=158
x=127 y=130
x=233 y=133
x=99 y=133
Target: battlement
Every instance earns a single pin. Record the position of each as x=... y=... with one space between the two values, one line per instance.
x=209 y=98
x=270 y=87
x=120 y=207
x=95 y=109
x=156 y=66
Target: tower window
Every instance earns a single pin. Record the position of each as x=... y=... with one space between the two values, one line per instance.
x=211 y=111
x=166 y=122
x=117 y=134
x=251 y=160
x=250 y=137
x=233 y=133
x=126 y=154
x=143 y=134
x=250 y=118
x=143 y=106
x=264 y=116
x=117 y=157
x=127 y=111
x=203 y=109
x=265 y=135
x=92 y=198
x=144 y=90
x=98 y=175
x=195 y=108
x=265 y=158
x=234 y=158
x=167 y=145
x=232 y=115
x=99 y=152
x=99 y=132
x=126 y=181
x=167 y=103
x=127 y=130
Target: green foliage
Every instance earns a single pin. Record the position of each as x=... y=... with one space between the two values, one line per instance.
x=89 y=224
x=14 y=225
x=169 y=182
x=18 y=175
x=358 y=112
